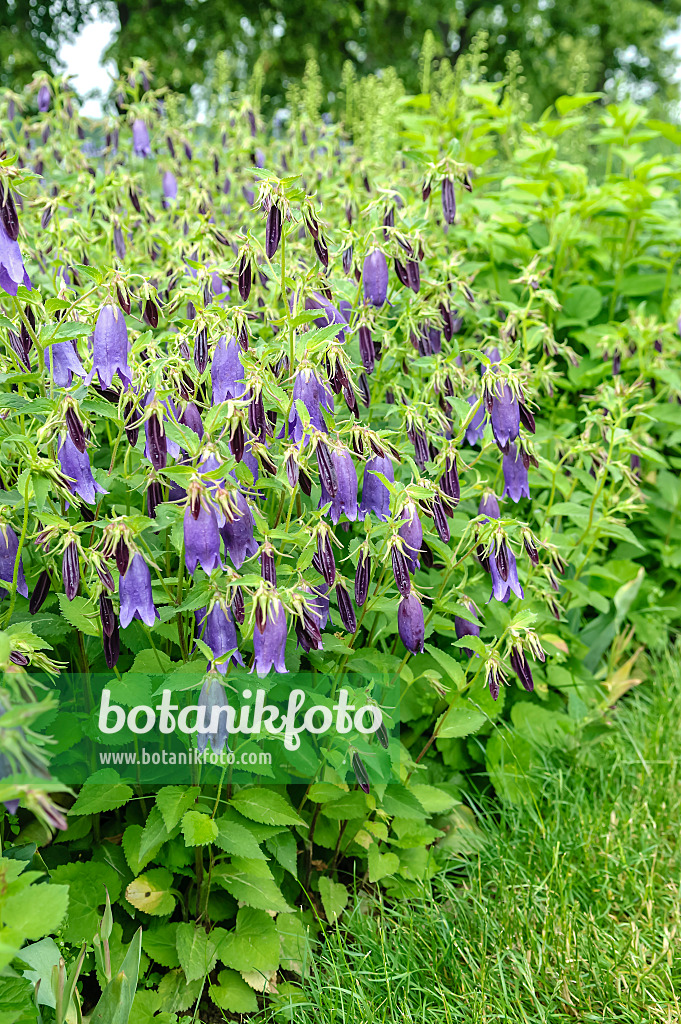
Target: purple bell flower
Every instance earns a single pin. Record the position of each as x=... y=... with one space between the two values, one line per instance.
x=345 y=498
x=9 y=545
x=12 y=270
x=227 y=372
x=476 y=428
x=44 y=98
x=172 y=447
x=201 y=541
x=111 y=348
x=134 y=589
x=218 y=631
x=319 y=604
x=141 y=146
x=65 y=363
x=213 y=704
x=375 y=495
x=463 y=627
x=375 y=278
x=501 y=589
x=238 y=535
x=169 y=187
x=489 y=506
x=191 y=417
x=505 y=416
x=411 y=533
x=314 y=394
x=332 y=315
x=516 y=483
x=410 y=623
x=76 y=466
x=269 y=643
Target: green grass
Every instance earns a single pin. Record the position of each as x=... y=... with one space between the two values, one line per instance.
x=570 y=912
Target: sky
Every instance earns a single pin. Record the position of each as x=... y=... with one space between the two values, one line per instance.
x=83 y=60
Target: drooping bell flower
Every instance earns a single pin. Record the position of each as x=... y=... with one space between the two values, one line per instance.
x=227 y=372
x=134 y=590
x=516 y=483
x=362 y=576
x=411 y=533
x=191 y=417
x=331 y=315
x=158 y=445
x=502 y=564
x=269 y=639
x=70 y=570
x=169 y=188
x=65 y=363
x=141 y=146
x=238 y=535
x=345 y=498
x=375 y=495
x=44 y=98
x=314 y=394
x=489 y=506
x=448 y=200
x=272 y=231
x=521 y=667
x=12 y=270
x=505 y=415
x=212 y=706
x=76 y=467
x=476 y=428
x=410 y=623
x=9 y=545
x=111 y=348
x=201 y=540
x=218 y=631
x=375 y=277
x=462 y=627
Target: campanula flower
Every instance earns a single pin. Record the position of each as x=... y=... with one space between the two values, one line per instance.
x=476 y=428
x=410 y=623
x=238 y=535
x=134 y=590
x=375 y=278
x=201 y=540
x=111 y=348
x=503 y=561
x=314 y=394
x=505 y=415
x=411 y=533
x=9 y=545
x=269 y=642
x=227 y=372
x=65 y=363
x=218 y=631
x=345 y=498
x=141 y=145
x=75 y=465
x=516 y=483
x=212 y=718
x=12 y=270
x=375 y=495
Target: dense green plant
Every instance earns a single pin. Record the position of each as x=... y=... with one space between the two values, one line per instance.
x=532 y=276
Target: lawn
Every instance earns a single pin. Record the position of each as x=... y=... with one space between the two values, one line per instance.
x=569 y=911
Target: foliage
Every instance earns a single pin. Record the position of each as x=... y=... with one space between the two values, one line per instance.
x=563 y=48
x=532 y=278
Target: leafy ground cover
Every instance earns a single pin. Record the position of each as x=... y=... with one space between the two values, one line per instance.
x=569 y=908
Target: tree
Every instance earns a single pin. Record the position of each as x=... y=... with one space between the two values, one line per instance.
x=563 y=47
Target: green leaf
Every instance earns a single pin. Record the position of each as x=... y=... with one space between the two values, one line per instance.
x=159 y=943
x=254 y=943
x=400 y=802
x=175 y=995
x=75 y=613
x=196 y=950
x=88 y=882
x=150 y=892
x=235 y=839
x=116 y=1001
x=232 y=994
x=36 y=911
x=381 y=864
x=460 y=720
x=173 y=801
x=95 y=797
x=334 y=896
x=284 y=849
x=295 y=941
x=198 y=829
x=251 y=882
x=266 y=806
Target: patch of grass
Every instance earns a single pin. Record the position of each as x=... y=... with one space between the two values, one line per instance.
x=570 y=912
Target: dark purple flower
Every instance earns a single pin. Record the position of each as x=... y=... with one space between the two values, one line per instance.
x=76 y=467
x=345 y=498
x=520 y=666
x=65 y=363
x=362 y=576
x=410 y=623
x=9 y=545
x=411 y=533
x=238 y=535
x=448 y=200
x=12 y=270
x=269 y=643
x=201 y=540
x=227 y=372
x=70 y=570
x=375 y=278
x=332 y=315
x=40 y=592
x=502 y=562
x=375 y=495
x=218 y=631
x=319 y=604
x=476 y=428
x=489 y=506
x=314 y=394
x=191 y=417
x=110 y=348
x=134 y=589
x=44 y=98
x=505 y=415
x=463 y=627
x=141 y=146
x=272 y=231
x=157 y=443
x=516 y=483
x=212 y=715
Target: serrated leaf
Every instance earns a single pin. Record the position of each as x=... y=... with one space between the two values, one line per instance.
x=235 y=839
x=75 y=613
x=175 y=995
x=94 y=798
x=159 y=943
x=231 y=993
x=334 y=896
x=266 y=806
x=198 y=829
x=381 y=864
x=88 y=882
x=150 y=892
x=253 y=945
x=284 y=849
x=251 y=882
x=173 y=801
x=196 y=949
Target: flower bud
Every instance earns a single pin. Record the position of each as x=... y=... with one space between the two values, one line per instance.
x=106 y=614
x=272 y=231
x=345 y=609
x=40 y=592
x=360 y=773
x=362 y=577
x=400 y=571
x=70 y=570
